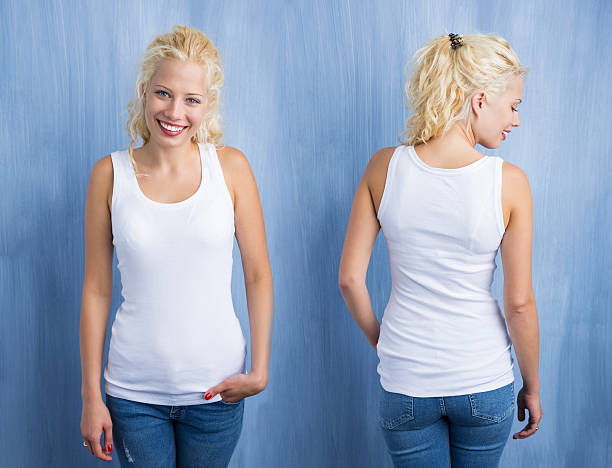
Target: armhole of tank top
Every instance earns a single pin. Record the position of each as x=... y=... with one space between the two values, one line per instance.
x=218 y=171
x=115 y=159
x=388 y=182
x=499 y=211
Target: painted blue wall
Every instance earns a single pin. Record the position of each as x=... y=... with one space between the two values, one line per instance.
x=312 y=89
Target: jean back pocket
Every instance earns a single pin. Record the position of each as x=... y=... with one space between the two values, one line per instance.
x=395 y=409
x=495 y=405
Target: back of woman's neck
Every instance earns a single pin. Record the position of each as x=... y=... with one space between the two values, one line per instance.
x=449 y=151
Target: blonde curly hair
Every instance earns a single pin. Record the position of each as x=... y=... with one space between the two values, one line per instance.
x=185 y=44
x=444 y=78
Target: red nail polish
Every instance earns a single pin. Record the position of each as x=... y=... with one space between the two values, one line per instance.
x=110 y=448
x=208 y=396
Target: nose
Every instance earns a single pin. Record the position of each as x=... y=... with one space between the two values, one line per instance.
x=174 y=109
x=516 y=121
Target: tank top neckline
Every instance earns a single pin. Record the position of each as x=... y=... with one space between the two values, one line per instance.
x=440 y=170
x=186 y=201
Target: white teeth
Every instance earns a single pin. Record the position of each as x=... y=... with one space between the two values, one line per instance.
x=172 y=128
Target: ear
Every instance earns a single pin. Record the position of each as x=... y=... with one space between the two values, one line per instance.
x=478 y=101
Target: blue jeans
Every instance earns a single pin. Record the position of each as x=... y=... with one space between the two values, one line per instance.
x=462 y=431
x=147 y=435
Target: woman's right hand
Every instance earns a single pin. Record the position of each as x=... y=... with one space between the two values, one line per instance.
x=531 y=402
x=95 y=418
x=95 y=306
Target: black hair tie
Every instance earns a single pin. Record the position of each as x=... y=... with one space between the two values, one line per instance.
x=456 y=40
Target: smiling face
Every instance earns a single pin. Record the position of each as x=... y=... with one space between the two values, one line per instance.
x=495 y=118
x=175 y=102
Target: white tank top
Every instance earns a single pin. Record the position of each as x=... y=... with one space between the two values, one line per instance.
x=175 y=333
x=442 y=332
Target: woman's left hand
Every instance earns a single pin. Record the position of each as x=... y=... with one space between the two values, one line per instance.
x=237 y=387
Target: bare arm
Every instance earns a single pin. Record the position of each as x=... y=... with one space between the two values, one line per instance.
x=361 y=234
x=519 y=300
x=251 y=238
x=97 y=291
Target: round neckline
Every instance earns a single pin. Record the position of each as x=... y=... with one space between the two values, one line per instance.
x=441 y=170
x=184 y=202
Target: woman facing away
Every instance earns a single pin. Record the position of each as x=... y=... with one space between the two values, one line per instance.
x=447 y=395
x=175 y=380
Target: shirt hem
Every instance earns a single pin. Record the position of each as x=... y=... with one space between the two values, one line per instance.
x=447 y=392
x=156 y=398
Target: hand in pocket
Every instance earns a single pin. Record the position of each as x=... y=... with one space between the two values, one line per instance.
x=237 y=387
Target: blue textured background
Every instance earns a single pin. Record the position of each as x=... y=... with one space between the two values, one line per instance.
x=312 y=89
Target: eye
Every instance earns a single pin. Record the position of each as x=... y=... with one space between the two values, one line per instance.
x=192 y=101
x=514 y=109
x=162 y=93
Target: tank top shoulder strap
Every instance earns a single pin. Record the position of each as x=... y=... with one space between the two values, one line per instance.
x=211 y=161
x=499 y=212
x=398 y=158
x=122 y=172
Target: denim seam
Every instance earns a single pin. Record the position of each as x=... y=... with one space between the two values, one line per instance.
x=442 y=407
x=403 y=418
x=231 y=403
x=487 y=417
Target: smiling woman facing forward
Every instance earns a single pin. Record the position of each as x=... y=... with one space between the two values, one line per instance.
x=447 y=395
x=175 y=380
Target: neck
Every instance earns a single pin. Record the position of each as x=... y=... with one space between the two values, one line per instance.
x=458 y=136
x=167 y=157
x=461 y=130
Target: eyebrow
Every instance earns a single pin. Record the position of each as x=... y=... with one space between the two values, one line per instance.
x=519 y=100
x=165 y=87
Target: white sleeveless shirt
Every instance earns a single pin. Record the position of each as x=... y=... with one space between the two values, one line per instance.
x=175 y=333
x=442 y=332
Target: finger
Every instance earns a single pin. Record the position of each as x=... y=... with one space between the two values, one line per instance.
x=521 y=433
x=527 y=431
x=213 y=391
x=108 y=438
x=521 y=411
x=231 y=397
x=89 y=445
x=98 y=450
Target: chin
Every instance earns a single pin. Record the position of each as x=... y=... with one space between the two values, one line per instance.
x=171 y=142
x=490 y=145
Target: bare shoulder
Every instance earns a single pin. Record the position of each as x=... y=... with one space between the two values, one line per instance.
x=232 y=160
x=375 y=174
x=513 y=173
x=101 y=178
x=379 y=163
x=236 y=170
x=376 y=170
x=103 y=168
x=516 y=193
x=514 y=179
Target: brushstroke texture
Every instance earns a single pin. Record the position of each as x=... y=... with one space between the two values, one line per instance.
x=312 y=89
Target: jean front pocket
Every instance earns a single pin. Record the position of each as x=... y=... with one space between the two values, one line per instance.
x=395 y=409
x=230 y=403
x=495 y=405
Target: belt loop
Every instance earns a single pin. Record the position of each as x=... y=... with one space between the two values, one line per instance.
x=442 y=407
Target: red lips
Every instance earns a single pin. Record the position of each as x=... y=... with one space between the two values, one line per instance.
x=170 y=132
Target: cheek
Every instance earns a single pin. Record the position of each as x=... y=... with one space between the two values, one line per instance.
x=500 y=119
x=506 y=115
x=492 y=125
x=196 y=116
x=152 y=107
x=151 y=122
